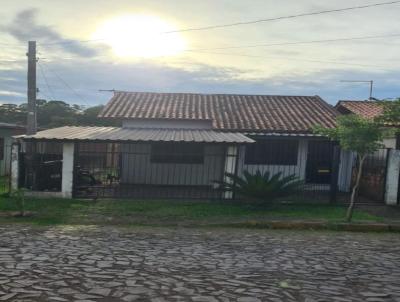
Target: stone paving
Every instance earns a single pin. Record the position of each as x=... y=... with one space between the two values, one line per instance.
x=159 y=264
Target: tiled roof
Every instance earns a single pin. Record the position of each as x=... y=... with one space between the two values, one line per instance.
x=260 y=113
x=367 y=109
x=74 y=133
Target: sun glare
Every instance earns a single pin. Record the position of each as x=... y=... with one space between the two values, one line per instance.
x=140 y=36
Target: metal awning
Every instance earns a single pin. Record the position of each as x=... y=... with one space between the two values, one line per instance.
x=72 y=133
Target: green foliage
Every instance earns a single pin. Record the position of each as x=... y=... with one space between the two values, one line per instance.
x=355 y=133
x=264 y=187
x=54 y=114
x=50 y=211
x=391 y=113
x=19 y=197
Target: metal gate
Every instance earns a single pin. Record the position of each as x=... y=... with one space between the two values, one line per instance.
x=373 y=178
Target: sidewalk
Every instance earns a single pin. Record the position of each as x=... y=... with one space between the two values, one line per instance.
x=367 y=226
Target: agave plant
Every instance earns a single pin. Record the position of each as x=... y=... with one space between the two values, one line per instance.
x=261 y=186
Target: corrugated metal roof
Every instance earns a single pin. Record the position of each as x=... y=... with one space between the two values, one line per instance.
x=284 y=134
x=245 y=113
x=139 y=135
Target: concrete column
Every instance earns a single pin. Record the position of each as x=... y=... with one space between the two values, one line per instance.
x=14 y=166
x=392 y=177
x=67 y=170
x=347 y=160
x=230 y=167
x=302 y=158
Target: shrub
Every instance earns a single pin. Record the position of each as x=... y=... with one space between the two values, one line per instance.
x=259 y=186
x=19 y=196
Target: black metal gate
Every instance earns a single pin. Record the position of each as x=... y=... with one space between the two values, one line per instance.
x=373 y=178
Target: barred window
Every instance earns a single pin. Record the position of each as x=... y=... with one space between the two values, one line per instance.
x=272 y=152
x=178 y=153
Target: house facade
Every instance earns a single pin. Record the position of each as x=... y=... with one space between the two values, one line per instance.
x=183 y=144
x=367 y=109
x=7 y=131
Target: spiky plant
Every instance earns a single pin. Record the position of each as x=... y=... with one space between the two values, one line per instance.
x=261 y=186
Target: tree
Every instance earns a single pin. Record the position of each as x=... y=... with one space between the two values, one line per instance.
x=391 y=117
x=54 y=113
x=390 y=112
x=357 y=134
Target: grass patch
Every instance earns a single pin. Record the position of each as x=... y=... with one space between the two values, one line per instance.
x=163 y=212
x=4 y=184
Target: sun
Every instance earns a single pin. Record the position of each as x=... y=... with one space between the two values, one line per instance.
x=140 y=36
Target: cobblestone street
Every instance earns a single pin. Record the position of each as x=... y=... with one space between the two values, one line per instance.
x=157 y=264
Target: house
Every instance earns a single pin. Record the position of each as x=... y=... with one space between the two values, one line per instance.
x=7 y=131
x=377 y=182
x=367 y=109
x=175 y=145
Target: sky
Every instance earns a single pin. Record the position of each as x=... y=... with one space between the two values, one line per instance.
x=92 y=45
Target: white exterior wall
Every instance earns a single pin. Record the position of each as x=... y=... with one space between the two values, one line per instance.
x=299 y=170
x=347 y=161
x=389 y=142
x=137 y=167
x=167 y=123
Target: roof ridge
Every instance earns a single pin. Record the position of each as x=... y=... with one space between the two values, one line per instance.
x=227 y=94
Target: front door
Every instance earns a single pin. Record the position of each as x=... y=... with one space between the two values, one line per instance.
x=319 y=162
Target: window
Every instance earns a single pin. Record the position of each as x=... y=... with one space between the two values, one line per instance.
x=272 y=152
x=178 y=153
x=1 y=148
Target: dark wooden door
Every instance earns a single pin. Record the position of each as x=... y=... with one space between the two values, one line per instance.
x=319 y=162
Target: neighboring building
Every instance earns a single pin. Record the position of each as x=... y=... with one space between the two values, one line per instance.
x=7 y=131
x=170 y=141
x=366 y=109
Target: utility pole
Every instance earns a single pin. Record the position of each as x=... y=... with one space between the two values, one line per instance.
x=371 y=84
x=31 y=123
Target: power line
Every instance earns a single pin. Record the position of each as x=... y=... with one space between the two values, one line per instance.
x=241 y=23
x=294 y=59
x=10 y=61
x=69 y=41
x=13 y=44
x=273 y=44
x=45 y=80
x=264 y=57
x=297 y=43
x=67 y=85
x=283 y=17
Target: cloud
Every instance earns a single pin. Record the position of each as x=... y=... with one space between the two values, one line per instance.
x=24 y=27
x=10 y=93
x=86 y=77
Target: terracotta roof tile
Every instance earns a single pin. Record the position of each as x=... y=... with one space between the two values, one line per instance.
x=367 y=109
x=259 y=113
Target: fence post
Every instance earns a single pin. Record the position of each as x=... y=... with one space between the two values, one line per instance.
x=334 y=174
x=67 y=170
x=392 y=177
x=230 y=167
x=14 y=167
